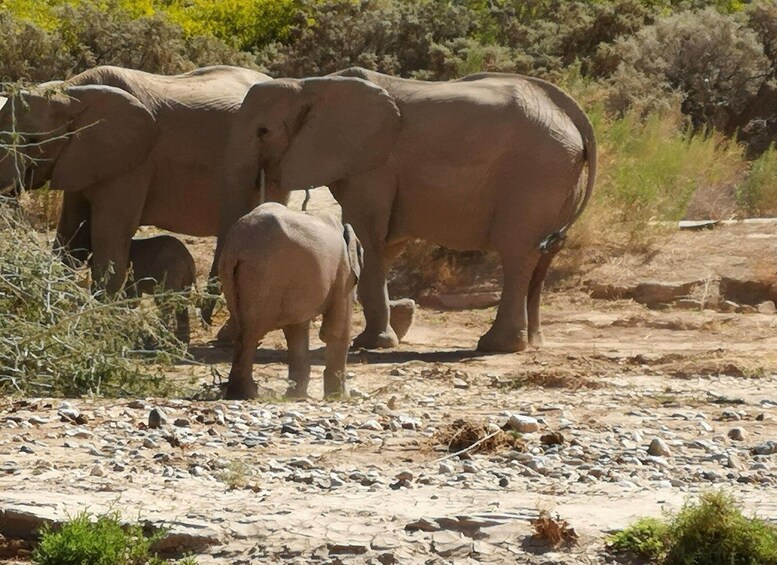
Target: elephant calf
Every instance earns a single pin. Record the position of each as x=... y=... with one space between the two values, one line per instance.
x=279 y=269
x=163 y=263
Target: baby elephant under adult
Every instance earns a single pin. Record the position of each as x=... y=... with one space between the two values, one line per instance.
x=163 y=263
x=279 y=269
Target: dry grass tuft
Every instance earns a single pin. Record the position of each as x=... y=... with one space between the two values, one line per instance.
x=554 y=532
x=463 y=434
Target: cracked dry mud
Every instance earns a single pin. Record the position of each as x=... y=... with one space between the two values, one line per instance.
x=635 y=409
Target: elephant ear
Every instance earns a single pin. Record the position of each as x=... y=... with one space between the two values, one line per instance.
x=112 y=133
x=346 y=126
x=354 y=250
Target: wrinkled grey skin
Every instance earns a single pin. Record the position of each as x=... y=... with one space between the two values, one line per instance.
x=162 y=263
x=489 y=162
x=128 y=148
x=279 y=269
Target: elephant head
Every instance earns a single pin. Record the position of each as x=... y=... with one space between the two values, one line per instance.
x=73 y=137
x=296 y=134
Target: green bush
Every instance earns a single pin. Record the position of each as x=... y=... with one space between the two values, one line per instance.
x=710 y=531
x=757 y=195
x=98 y=540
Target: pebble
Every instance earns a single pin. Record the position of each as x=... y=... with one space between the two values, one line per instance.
x=460 y=383
x=469 y=467
x=522 y=424
x=554 y=438
x=181 y=422
x=766 y=448
x=373 y=425
x=737 y=434
x=404 y=475
x=97 y=471
x=446 y=468
x=156 y=418
x=149 y=443
x=658 y=447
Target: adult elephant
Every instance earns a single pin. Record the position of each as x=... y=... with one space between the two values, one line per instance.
x=128 y=148
x=488 y=162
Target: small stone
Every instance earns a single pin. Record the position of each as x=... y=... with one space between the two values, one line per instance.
x=149 y=443
x=737 y=434
x=659 y=448
x=553 y=438
x=522 y=424
x=156 y=418
x=26 y=449
x=767 y=307
x=404 y=475
x=446 y=469
x=728 y=306
x=503 y=482
x=392 y=403
x=460 y=383
x=137 y=404
x=98 y=471
x=733 y=462
x=766 y=448
x=181 y=422
x=373 y=425
x=301 y=463
x=469 y=467
x=705 y=426
x=356 y=393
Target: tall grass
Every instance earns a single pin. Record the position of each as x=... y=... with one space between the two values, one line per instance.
x=757 y=195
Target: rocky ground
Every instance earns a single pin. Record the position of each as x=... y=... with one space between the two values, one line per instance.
x=633 y=405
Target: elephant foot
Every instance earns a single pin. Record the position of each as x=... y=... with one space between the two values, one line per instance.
x=496 y=341
x=402 y=315
x=227 y=333
x=536 y=339
x=334 y=385
x=295 y=393
x=383 y=340
x=241 y=390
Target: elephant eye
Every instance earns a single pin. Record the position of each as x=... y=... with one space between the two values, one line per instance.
x=261 y=132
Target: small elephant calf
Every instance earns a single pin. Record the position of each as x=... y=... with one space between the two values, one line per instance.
x=163 y=263
x=279 y=269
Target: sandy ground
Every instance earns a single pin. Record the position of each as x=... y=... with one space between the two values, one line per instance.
x=371 y=480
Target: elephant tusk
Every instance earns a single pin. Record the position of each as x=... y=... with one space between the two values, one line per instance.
x=262 y=189
x=3 y=100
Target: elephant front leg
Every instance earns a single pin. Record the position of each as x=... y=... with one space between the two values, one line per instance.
x=336 y=334
x=298 y=344
x=116 y=207
x=73 y=240
x=373 y=296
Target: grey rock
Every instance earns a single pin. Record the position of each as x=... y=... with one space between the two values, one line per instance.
x=658 y=447
x=156 y=418
x=404 y=475
x=522 y=424
x=737 y=434
x=766 y=448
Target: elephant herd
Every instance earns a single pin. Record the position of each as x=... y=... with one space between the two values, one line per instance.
x=496 y=162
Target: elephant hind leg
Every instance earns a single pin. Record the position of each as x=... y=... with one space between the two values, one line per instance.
x=536 y=285
x=240 y=385
x=298 y=345
x=509 y=334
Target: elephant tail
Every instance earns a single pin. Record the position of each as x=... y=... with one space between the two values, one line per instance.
x=229 y=268
x=554 y=241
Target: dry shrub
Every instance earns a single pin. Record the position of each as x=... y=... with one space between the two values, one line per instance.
x=463 y=434
x=41 y=208
x=554 y=532
x=558 y=377
x=59 y=339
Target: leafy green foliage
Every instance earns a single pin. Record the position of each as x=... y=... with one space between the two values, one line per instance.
x=644 y=538
x=710 y=531
x=100 y=540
